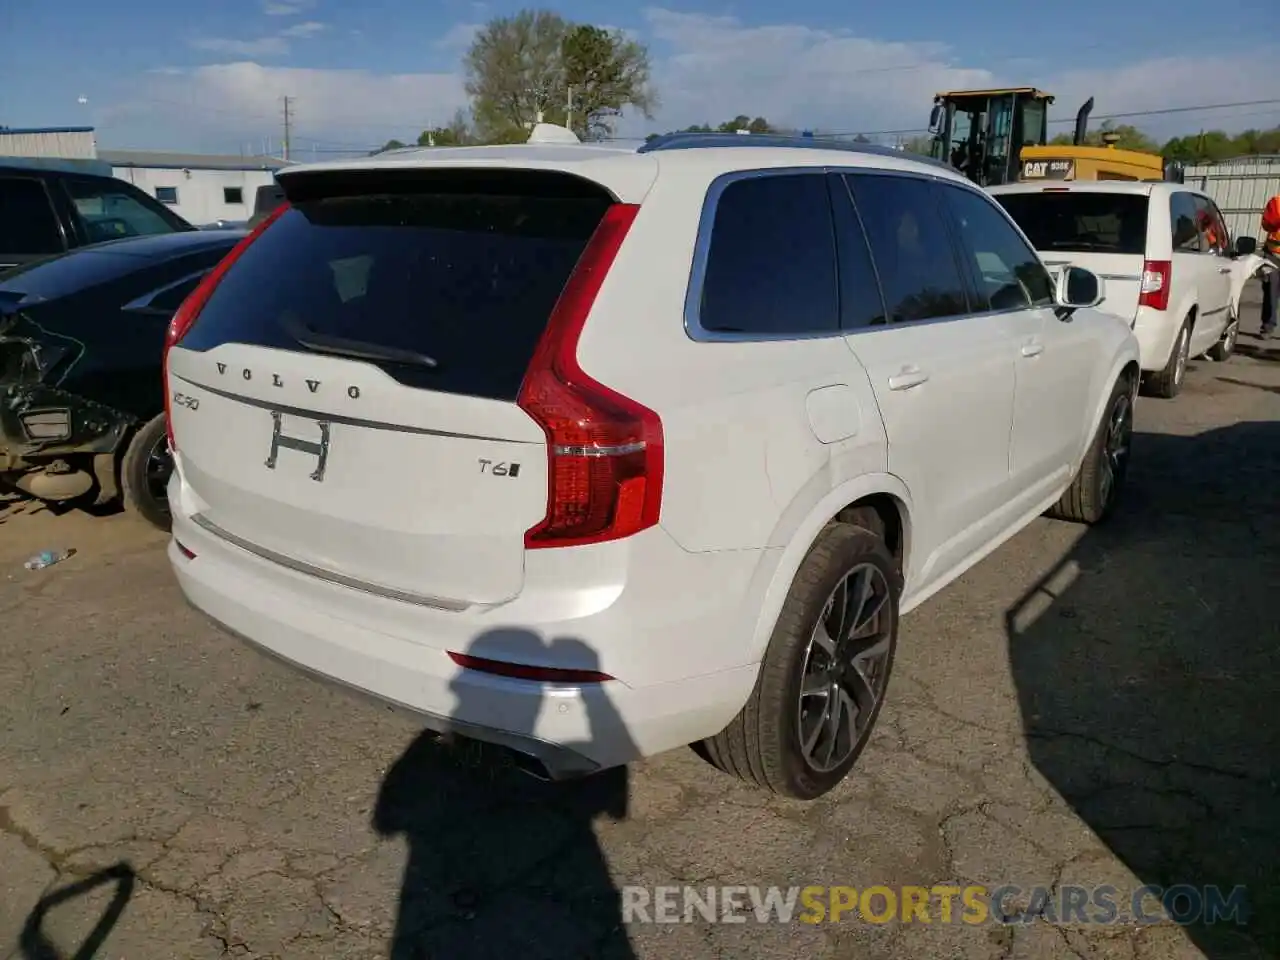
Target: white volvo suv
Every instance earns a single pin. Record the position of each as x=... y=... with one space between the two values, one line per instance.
x=594 y=452
x=1163 y=251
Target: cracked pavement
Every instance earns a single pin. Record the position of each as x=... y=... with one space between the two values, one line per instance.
x=1084 y=707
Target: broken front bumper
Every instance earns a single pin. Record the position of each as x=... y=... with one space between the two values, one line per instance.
x=40 y=424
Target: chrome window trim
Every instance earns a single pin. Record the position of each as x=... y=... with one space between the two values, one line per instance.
x=702 y=245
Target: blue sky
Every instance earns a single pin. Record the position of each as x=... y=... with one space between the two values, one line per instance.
x=209 y=75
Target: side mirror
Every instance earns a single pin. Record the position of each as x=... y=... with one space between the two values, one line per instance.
x=1079 y=288
x=934 y=116
x=1245 y=246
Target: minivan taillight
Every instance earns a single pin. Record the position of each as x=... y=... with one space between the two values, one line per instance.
x=604 y=450
x=190 y=308
x=1157 y=277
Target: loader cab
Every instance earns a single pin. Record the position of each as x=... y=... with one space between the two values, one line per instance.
x=982 y=132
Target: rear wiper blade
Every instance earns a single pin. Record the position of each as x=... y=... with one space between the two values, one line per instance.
x=357 y=349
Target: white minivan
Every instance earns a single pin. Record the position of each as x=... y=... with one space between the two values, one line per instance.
x=1164 y=252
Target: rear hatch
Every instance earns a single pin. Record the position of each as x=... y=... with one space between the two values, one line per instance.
x=356 y=370
x=1101 y=231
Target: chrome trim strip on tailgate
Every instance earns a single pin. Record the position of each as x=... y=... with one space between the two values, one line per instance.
x=338 y=418
x=1120 y=276
x=298 y=566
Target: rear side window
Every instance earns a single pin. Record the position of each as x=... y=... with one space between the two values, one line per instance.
x=771 y=265
x=1007 y=273
x=911 y=245
x=1185 y=232
x=1081 y=221
x=465 y=278
x=27 y=222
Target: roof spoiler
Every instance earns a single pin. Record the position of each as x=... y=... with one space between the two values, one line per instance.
x=1082 y=122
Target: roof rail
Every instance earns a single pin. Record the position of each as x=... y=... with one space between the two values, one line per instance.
x=687 y=141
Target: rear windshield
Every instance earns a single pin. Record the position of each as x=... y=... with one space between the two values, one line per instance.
x=1085 y=222
x=464 y=278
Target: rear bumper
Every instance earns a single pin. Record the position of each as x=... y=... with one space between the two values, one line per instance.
x=399 y=654
x=1156 y=331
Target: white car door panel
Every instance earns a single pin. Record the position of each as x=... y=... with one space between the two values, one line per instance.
x=1055 y=354
x=943 y=379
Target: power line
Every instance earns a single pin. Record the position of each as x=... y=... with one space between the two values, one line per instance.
x=1204 y=108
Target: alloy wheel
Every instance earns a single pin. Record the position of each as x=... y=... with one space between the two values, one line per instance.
x=846 y=667
x=1184 y=345
x=159 y=469
x=1115 y=446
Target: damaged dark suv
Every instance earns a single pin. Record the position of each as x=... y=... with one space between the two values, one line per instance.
x=81 y=392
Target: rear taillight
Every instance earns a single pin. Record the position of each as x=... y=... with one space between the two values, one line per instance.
x=190 y=308
x=1157 y=277
x=604 y=449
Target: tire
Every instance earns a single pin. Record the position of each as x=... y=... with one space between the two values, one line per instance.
x=144 y=469
x=1221 y=351
x=763 y=744
x=1167 y=384
x=1098 y=483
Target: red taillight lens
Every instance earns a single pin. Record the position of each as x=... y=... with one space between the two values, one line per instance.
x=1157 y=277
x=604 y=449
x=190 y=308
x=521 y=671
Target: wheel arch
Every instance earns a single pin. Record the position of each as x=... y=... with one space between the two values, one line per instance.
x=881 y=499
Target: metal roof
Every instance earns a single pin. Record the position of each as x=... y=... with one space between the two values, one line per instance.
x=163 y=160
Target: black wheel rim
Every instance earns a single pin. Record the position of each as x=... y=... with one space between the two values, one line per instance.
x=159 y=467
x=846 y=666
x=1115 y=446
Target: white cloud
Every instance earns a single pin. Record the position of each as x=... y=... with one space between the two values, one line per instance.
x=308 y=28
x=705 y=68
x=709 y=68
x=219 y=107
x=286 y=8
x=272 y=46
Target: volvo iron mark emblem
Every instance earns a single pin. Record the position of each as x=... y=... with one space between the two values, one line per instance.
x=320 y=450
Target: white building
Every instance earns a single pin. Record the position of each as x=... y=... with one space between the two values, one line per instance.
x=201 y=189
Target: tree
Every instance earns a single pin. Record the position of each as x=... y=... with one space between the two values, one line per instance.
x=923 y=146
x=740 y=122
x=521 y=68
x=389 y=145
x=1129 y=138
x=603 y=72
x=456 y=133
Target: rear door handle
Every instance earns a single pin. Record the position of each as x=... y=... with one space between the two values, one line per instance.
x=1032 y=349
x=908 y=378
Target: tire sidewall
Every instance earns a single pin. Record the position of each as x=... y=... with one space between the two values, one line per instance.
x=133 y=475
x=862 y=546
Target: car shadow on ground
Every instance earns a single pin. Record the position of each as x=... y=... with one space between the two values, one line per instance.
x=1148 y=673
x=501 y=864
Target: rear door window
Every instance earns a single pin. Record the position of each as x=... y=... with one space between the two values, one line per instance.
x=1101 y=222
x=771 y=266
x=28 y=226
x=911 y=245
x=465 y=276
x=1182 y=219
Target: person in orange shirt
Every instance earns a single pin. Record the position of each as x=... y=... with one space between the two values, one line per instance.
x=1271 y=278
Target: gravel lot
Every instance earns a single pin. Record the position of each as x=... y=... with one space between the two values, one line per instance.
x=1082 y=708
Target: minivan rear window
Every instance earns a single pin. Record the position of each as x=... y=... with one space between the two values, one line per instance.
x=465 y=278
x=1081 y=221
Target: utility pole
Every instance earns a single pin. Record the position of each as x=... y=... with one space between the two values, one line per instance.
x=568 y=110
x=287 y=124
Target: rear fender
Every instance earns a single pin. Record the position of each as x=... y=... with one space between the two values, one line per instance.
x=800 y=526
